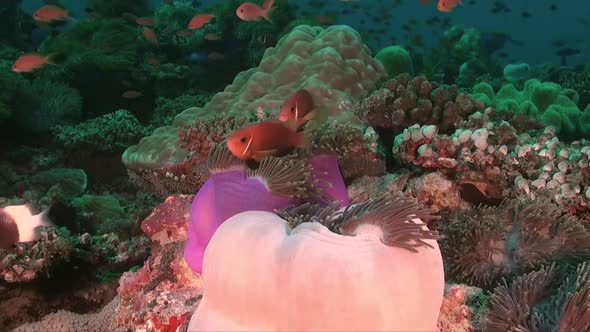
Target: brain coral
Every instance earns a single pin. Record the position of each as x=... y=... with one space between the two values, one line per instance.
x=332 y=64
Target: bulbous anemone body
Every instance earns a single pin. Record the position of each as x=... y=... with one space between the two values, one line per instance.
x=222 y=196
x=261 y=275
x=277 y=184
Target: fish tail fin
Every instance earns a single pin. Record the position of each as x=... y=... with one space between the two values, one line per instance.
x=268 y=4
x=268 y=7
x=55 y=58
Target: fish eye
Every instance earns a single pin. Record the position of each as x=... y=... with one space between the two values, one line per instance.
x=241 y=10
x=243 y=139
x=292 y=109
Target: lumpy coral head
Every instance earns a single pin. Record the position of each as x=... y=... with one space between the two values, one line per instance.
x=261 y=275
x=277 y=184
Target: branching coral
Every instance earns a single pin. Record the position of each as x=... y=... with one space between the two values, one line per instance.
x=482 y=245
x=97 y=54
x=405 y=101
x=111 y=132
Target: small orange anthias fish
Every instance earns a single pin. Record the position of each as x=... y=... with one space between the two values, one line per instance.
x=131 y=94
x=299 y=108
x=252 y=12
x=265 y=139
x=446 y=6
x=212 y=36
x=198 y=21
x=27 y=63
x=50 y=13
x=145 y=21
x=150 y=35
x=215 y=56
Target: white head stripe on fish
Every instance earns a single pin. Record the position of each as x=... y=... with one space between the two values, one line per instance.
x=248 y=145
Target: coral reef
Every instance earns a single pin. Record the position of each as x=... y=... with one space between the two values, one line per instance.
x=162 y=291
x=404 y=101
x=489 y=161
x=90 y=63
x=527 y=303
x=462 y=308
x=10 y=83
x=542 y=101
x=112 y=132
x=332 y=64
x=578 y=81
x=30 y=260
x=396 y=60
x=44 y=104
x=480 y=246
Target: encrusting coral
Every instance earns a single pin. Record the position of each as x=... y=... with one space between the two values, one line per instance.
x=332 y=64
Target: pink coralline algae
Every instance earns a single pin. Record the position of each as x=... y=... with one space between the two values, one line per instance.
x=455 y=314
x=161 y=292
x=167 y=222
x=404 y=101
x=158 y=296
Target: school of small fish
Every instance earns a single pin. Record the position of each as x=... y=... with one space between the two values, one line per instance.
x=49 y=15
